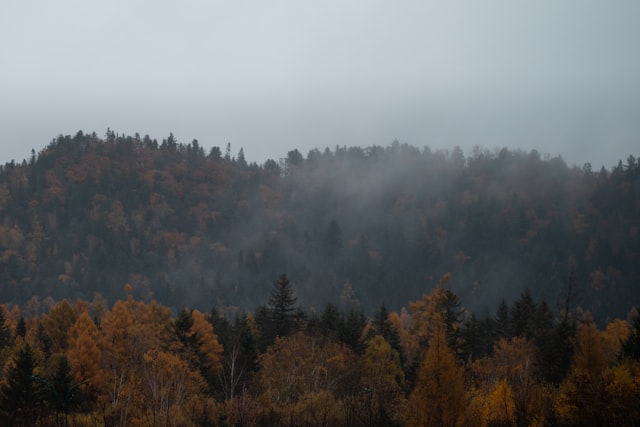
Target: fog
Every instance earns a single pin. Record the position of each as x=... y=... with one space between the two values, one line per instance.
x=273 y=76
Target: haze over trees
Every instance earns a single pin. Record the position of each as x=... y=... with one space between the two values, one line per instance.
x=356 y=227
x=354 y=287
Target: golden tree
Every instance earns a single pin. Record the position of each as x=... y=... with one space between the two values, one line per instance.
x=85 y=355
x=381 y=398
x=582 y=398
x=439 y=396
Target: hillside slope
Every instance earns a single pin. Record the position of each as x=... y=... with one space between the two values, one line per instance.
x=352 y=226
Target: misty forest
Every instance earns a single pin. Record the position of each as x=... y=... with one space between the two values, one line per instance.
x=154 y=283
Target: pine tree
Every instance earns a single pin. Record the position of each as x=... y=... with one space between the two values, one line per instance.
x=281 y=307
x=382 y=326
x=20 y=394
x=21 y=327
x=502 y=321
x=631 y=346
x=63 y=393
x=5 y=334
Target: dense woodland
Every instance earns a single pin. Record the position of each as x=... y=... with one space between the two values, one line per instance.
x=362 y=329
x=432 y=363
x=356 y=227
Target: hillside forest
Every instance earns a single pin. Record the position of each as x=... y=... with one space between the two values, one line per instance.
x=355 y=286
x=356 y=227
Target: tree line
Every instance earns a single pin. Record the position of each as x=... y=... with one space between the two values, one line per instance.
x=432 y=363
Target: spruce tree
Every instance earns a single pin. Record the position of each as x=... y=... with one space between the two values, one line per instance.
x=281 y=307
x=5 y=334
x=20 y=394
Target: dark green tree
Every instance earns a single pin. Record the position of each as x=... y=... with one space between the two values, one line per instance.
x=5 y=334
x=239 y=360
x=182 y=326
x=522 y=316
x=631 y=346
x=21 y=327
x=277 y=318
x=452 y=309
x=381 y=325
x=501 y=323
x=281 y=307
x=351 y=332
x=330 y=321
x=43 y=339
x=21 y=395
x=59 y=388
x=555 y=350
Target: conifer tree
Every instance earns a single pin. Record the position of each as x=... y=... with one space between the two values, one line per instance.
x=281 y=307
x=5 y=334
x=20 y=394
x=631 y=346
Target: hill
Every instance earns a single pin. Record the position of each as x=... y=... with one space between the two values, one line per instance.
x=353 y=226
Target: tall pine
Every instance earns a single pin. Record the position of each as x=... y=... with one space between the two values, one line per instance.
x=20 y=394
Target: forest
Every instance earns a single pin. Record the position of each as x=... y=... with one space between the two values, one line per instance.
x=433 y=363
x=356 y=227
x=373 y=286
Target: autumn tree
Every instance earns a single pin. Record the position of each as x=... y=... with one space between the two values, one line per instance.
x=582 y=393
x=438 y=398
x=168 y=385
x=85 y=356
x=514 y=363
x=208 y=347
x=130 y=329
x=499 y=407
x=57 y=324
x=5 y=333
x=441 y=307
x=381 y=398
x=300 y=378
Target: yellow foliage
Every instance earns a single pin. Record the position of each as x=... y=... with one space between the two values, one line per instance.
x=439 y=395
x=616 y=332
x=85 y=355
x=210 y=347
x=500 y=408
x=297 y=370
x=581 y=399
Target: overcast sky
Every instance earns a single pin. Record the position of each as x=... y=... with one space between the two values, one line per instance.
x=560 y=76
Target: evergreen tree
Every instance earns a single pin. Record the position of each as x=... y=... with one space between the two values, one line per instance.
x=452 y=311
x=522 y=316
x=21 y=394
x=351 y=331
x=182 y=326
x=63 y=394
x=381 y=325
x=631 y=346
x=5 y=334
x=501 y=322
x=21 y=327
x=277 y=319
x=330 y=321
x=555 y=350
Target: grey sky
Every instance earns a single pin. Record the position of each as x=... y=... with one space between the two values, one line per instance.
x=562 y=77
